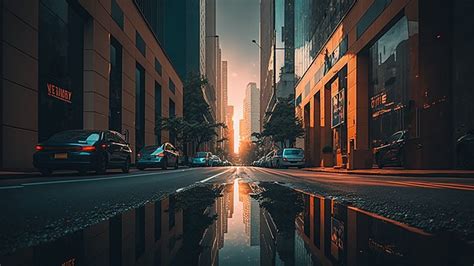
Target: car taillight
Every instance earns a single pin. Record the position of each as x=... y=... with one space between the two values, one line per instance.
x=103 y=146
x=39 y=148
x=139 y=155
x=161 y=154
x=88 y=148
x=285 y=159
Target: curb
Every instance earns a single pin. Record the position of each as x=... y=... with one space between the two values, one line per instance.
x=406 y=174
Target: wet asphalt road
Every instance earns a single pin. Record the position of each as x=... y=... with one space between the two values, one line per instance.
x=41 y=209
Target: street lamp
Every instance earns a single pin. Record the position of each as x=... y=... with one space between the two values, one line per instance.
x=256 y=43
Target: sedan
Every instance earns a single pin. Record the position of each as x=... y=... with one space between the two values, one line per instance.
x=83 y=150
x=158 y=156
x=201 y=158
x=392 y=151
x=291 y=157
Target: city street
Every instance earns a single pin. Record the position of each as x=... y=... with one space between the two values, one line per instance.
x=38 y=209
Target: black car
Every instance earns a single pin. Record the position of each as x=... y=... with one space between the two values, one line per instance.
x=83 y=150
x=392 y=151
x=158 y=156
x=465 y=150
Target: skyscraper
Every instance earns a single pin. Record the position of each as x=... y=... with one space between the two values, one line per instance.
x=277 y=53
x=251 y=111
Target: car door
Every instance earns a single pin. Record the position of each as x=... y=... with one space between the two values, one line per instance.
x=113 y=148
x=394 y=147
x=173 y=154
x=123 y=151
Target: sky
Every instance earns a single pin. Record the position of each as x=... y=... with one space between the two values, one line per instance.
x=238 y=23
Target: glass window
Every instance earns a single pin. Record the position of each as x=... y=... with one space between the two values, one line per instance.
x=158 y=114
x=293 y=152
x=371 y=15
x=117 y=14
x=388 y=82
x=76 y=136
x=139 y=106
x=172 y=86
x=172 y=109
x=115 y=86
x=60 y=68
x=140 y=43
x=158 y=67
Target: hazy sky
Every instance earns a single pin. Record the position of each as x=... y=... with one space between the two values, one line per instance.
x=237 y=24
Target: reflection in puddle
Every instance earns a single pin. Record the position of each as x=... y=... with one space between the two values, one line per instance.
x=246 y=224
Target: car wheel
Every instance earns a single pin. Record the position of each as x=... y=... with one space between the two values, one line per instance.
x=164 y=166
x=45 y=171
x=101 y=166
x=126 y=167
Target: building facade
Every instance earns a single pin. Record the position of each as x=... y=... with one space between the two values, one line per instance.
x=230 y=134
x=277 y=53
x=251 y=112
x=81 y=65
x=371 y=68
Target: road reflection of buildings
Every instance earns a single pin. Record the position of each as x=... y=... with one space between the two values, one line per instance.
x=251 y=216
x=144 y=236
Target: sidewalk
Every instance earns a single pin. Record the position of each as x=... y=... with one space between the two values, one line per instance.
x=397 y=172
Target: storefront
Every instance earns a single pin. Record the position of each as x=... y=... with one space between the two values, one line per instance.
x=388 y=83
x=60 y=87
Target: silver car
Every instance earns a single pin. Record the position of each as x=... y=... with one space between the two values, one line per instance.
x=291 y=157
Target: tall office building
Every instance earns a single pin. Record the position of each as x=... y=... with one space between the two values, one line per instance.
x=251 y=111
x=277 y=53
x=230 y=129
x=187 y=31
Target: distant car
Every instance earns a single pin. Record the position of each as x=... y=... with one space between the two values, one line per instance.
x=392 y=151
x=465 y=150
x=276 y=158
x=83 y=150
x=201 y=158
x=158 y=156
x=215 y=161
x=267 y=161
x=226 y=163
x=291 y=157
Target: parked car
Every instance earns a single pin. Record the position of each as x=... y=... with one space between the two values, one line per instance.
x=391 y=152
x=215 y=161
x=158 y=156
x=465 y=150
x=83 y=150
x=201 y=158
x=267 y=161
x=276 y=158
x=226 y=163
x=291 y=157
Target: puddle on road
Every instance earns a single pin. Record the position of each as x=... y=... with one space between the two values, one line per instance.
x=246 y=224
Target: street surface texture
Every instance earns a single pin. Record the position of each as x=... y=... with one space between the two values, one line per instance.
x=38 y=210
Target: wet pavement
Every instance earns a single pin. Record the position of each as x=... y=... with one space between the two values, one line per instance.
x=247 y=223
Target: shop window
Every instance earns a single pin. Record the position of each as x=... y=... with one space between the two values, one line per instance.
x=388 y=83
x=115 y=86
x=60 y=83
x=139 y=107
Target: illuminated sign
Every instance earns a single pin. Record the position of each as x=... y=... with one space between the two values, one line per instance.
x=378 y=100
x=337 y=109
x=59 y=93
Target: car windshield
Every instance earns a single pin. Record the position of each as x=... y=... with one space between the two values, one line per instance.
x=201 y=154
x=293 y=152
x=150 y=149
x=75 y=136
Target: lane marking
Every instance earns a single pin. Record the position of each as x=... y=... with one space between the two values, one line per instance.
x=11 y=187
x=214 y=176
x=100 y=178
